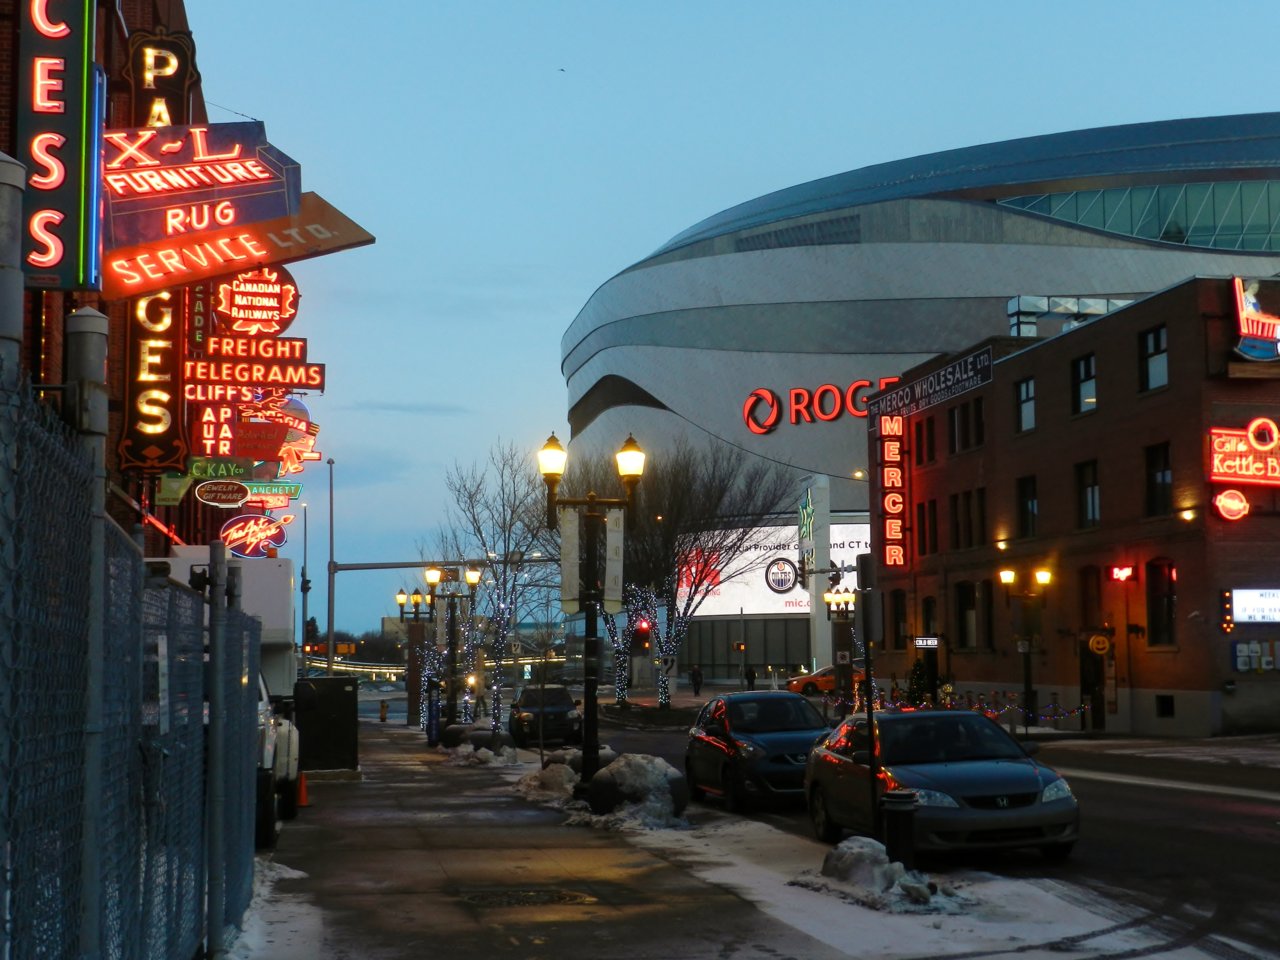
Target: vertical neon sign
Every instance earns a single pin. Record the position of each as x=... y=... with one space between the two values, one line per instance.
x=893 y=503
x=61 y=97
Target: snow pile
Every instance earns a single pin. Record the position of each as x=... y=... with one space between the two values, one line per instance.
x=858 y=870
x=265 y=909
x=552 y=785
x=467 y=755
x=642 y=786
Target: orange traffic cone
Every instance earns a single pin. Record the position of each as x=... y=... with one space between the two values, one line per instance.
x=302 y=790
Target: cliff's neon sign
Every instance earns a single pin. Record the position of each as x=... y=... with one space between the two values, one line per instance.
x=893 y=486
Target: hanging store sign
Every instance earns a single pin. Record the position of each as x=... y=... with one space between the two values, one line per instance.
x=1248 y=456
x=945 y=384
x=260 y=303
x=1259 y=328
x=161 y=70
x=222 y=493
x=61 y=97
x=219 y=468
x=253 y=537
x=893 y=489
x=183 y=181
x=154 y=433
x=278 y=373
x=316 y=229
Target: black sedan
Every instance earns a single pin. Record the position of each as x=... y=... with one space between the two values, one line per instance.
x=751 y=746
x=541 y=713
x=975 y=786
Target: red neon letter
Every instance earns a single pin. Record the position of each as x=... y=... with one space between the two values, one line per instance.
x=853 y=401
x=55 y=172
x=46 y=85
x=40 y=19
x=128 y=149
x=799 y=404
x=198 y=137
x=830 y=390
x=40 y=223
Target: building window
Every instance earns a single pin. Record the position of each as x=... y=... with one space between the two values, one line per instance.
x=1159 y=480
x=1153 y=350
x=1162 y=599
x=966 y=513
x=980 y=515
x=1025 y=399
x=1028 y=506
x=988 y=615
x=924 y=442
x=1084 y=384
x=929 y=617
x=966 y=632
x=932 y=519
x=954 y=505
x=1090 y=597
x=1087 y=497
x=898 y=618
x=922 y=534
x=965 y=429
x=979 y=424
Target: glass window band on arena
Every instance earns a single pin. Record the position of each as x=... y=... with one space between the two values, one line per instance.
x=1232 y=215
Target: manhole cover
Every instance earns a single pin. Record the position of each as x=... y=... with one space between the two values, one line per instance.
x=523 y=898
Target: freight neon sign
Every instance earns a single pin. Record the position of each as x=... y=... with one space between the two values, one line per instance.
x=893 y=489
x=59 y=117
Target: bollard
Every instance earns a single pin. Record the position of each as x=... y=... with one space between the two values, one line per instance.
x=382 y=712
x=899 y=810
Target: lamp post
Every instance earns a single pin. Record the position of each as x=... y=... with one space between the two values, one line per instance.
x=841 y=605
x=591 y=511
x=1026 y=627
x=416 y=663
x=435 y=576
x=306 y=589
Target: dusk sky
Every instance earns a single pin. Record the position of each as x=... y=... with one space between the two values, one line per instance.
x=511 y=157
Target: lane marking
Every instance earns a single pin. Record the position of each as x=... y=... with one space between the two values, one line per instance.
x=1074 y=774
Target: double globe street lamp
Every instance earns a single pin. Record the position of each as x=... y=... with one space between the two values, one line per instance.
x=592 y=511
x=424 y=607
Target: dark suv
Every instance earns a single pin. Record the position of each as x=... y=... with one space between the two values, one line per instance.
x=543 y=713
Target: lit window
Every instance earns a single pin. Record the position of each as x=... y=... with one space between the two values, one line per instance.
x=1025 y=398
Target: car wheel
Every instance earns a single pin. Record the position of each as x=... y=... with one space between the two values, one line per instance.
x=810 y=689
x=695 y=791
x=824 y=828
x=1056 y=852
x=288 y=802
x=264 y=820
x=734 y=801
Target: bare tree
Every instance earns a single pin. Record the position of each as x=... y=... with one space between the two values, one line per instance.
x=696 y=513
x=498 y=514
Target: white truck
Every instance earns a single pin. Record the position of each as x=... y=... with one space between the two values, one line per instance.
x=267 y=588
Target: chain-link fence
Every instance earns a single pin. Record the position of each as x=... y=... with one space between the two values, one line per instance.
x=141 y=892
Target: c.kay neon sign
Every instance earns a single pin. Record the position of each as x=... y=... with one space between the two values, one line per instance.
x=762 y=411
x=59 y=116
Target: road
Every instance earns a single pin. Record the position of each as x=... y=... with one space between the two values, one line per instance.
x=1195 y=846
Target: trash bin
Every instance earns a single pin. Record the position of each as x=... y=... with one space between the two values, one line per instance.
x=899 y=810
x=326 y=709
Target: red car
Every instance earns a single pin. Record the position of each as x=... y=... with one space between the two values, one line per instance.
x=822 y=680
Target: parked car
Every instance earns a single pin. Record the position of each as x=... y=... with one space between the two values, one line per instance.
x=543 y=713
x=976 y=786
x=277 y=774
x=823 y=680
x=751 y=745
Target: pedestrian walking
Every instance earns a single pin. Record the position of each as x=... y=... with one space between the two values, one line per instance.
x=750 y=676
x=481 y=694
x=695 y=679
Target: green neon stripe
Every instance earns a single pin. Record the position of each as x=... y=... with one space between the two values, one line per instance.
x=86 y=137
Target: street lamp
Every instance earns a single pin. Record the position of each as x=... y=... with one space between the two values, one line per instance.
x=841 y=605
x=434 y=577
x=1026 y=626
x=591 y=511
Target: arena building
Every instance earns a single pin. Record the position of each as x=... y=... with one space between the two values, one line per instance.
x=768 y=325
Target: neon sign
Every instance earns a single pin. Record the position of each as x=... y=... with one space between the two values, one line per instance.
x=302 y=376
x=1232 y=505
x=1121 y=574
x=893 y=503
x=161 y=70
x=226 y=494
x=61 y=93
x=1259 y=330
x=154 y=434
x=251 y=537
x=1249 y=456
x=316 y=229
x=258 y=303
x=762 y=410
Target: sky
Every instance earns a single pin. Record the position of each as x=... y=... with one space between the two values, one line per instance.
x=511 y=157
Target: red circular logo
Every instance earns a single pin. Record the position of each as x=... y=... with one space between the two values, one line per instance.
x=761 y=411
x=1232 y=504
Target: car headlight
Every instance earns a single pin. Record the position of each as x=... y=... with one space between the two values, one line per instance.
x=1058 y=790
x=934 y=798
x=748 y=750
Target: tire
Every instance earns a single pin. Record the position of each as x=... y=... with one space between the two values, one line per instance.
x=1057 y=852
x=695 y=792
x=810 y=689
x=824 y=828
x=734 y=801
x=264 y=819
x=287 y=805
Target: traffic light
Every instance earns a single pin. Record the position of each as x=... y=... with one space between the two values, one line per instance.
x=740 y=647
x=834 y=578
x=642 y=631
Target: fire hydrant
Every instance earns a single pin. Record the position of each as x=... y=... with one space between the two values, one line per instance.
x=382 y=712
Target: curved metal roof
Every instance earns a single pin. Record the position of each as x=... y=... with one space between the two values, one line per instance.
x=1162 y=151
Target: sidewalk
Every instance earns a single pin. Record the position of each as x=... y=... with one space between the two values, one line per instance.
x=423 y=853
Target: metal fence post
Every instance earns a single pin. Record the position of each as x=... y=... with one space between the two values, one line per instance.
x=86 y=331
x=216 y=850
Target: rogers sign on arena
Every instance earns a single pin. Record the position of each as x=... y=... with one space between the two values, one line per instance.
x=771 y=583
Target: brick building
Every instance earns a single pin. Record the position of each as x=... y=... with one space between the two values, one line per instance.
x=1132 y=460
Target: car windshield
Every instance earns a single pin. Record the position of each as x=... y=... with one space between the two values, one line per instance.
x=552 y=698
x=944 y=738
x=773 y=714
